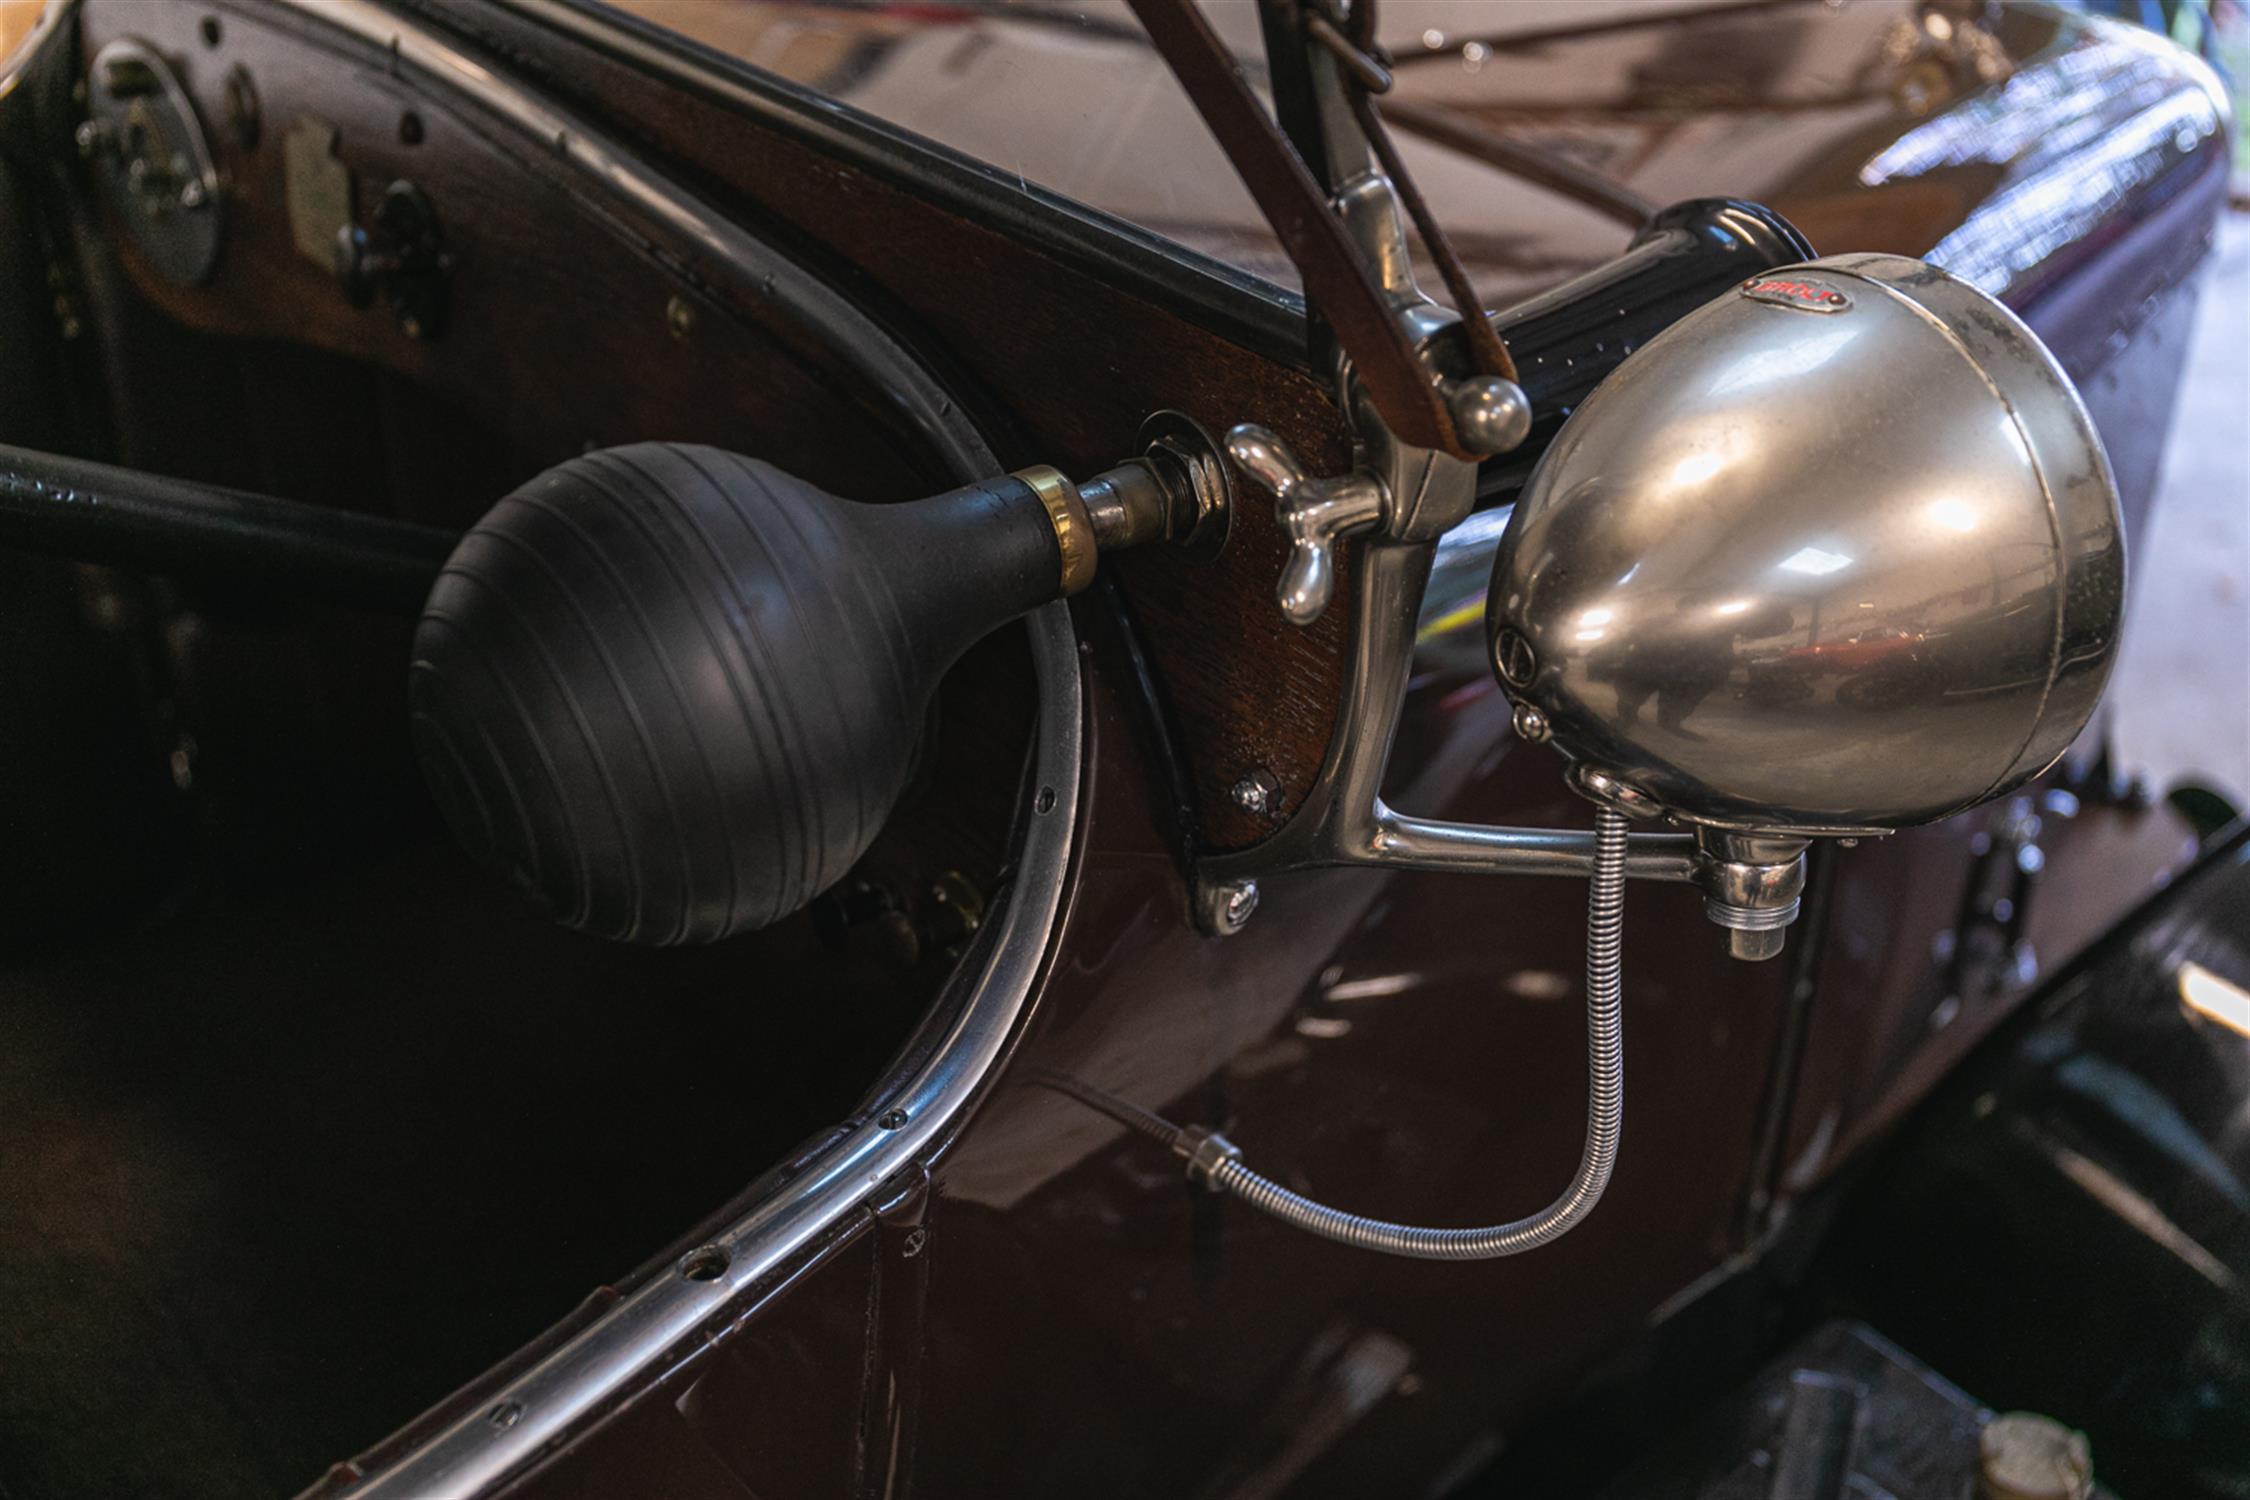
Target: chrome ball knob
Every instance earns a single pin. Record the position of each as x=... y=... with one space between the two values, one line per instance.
x=1838 y=552
x=1492 y=415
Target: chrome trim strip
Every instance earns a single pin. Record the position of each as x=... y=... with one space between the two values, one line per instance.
x=553 y=1399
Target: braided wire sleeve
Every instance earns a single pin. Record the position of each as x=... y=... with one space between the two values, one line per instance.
x=1605 y=1109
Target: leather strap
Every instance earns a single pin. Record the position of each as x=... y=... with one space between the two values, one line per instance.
x=1336 y=279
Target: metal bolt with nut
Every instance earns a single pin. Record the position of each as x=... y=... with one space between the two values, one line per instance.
x=1256 y=793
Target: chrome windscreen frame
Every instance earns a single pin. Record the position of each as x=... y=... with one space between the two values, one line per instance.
x=515 y=1422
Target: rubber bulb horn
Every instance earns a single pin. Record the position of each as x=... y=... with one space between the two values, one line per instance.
x=672 y=693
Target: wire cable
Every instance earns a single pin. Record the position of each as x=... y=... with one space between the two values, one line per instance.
x=1217 y=1162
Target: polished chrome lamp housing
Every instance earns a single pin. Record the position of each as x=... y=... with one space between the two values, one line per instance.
x=1836 y=554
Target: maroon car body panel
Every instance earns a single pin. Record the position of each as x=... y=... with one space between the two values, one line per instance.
x=1048 y=1309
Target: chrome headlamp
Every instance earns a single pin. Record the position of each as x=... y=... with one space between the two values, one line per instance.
x=1835 y=554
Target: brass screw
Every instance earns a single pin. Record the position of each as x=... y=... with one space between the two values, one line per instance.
x=679 y=317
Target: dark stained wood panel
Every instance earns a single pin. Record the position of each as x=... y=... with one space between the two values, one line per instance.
x=561 y=332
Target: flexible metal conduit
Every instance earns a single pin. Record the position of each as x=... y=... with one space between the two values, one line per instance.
x=1219 y=1164
x=1605 y=1109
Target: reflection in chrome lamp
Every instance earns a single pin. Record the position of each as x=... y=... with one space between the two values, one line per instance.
x=1697 y=467
x=1953 y=515
x=2205 y=994
x=1786 y=362
x=2078 y=129
x=1814 y=560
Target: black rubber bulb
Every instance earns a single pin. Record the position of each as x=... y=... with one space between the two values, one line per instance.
x=672 y=692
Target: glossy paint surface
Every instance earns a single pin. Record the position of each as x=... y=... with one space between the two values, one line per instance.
x=1053 y=1310
x=2001 y=141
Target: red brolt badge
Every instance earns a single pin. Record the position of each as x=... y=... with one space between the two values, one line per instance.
x=1801 y=292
